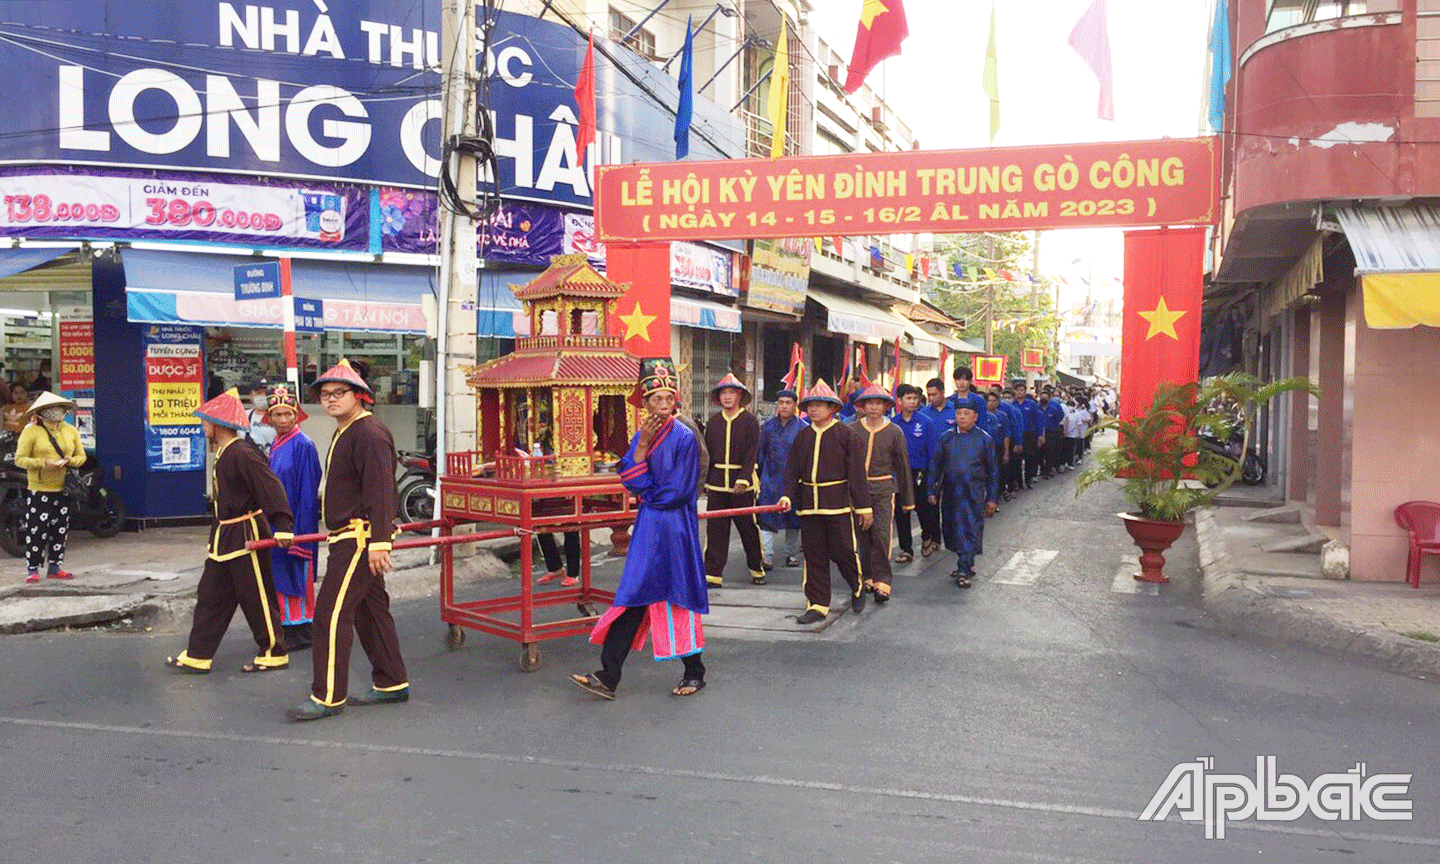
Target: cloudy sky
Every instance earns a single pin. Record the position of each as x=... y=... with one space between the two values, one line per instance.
x=1047 y=95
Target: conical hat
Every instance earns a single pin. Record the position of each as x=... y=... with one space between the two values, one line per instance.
x=730 y=381
x=50 y=400
x=344 y=373
x=821 y=392
x=874 y=392
x=225 y=410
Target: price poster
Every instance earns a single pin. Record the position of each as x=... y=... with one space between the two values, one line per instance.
x=174 y=387
x=77 y=352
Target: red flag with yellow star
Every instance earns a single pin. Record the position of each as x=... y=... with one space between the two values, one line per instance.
x=1160 y=338
x=882 y=28
x=642 y=319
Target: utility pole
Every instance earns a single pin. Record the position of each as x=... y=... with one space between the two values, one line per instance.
x=990 y=297
x=459 y=266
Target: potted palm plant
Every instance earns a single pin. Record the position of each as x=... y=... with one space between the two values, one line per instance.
x=1164 y=467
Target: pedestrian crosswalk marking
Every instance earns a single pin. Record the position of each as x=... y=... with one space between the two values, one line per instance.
x=1024 y=567
x=1125 y=581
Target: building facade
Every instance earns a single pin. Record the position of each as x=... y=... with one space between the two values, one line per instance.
x=1324 y=263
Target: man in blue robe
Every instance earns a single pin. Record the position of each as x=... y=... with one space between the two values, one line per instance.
x=662 y=591
x=296 y=461
x=964 y=473
x=776 y=437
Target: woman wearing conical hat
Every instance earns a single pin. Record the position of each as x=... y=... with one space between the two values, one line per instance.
x=47 y=448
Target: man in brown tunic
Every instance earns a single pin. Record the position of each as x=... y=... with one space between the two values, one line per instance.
x=358 y=505
x=248 y=503
x=887 y=470
x=825 y=485
x=732 y=438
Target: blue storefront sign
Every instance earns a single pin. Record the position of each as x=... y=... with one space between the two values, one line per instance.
x=257 y=281
x=304 y=89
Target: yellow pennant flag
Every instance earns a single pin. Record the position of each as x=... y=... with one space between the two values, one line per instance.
x=779 y=108
x=990 y=80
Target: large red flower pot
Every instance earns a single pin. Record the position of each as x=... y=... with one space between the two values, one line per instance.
x=1153 y=536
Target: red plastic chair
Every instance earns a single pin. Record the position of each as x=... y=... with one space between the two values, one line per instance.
x=1422 y=520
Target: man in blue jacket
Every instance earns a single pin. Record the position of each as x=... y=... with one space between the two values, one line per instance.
x=965 y=392
x=1013 y=474
x=1054 y=413
x=921 y=433
x=938 y=409
x=1033 y=437
x=1000 y=423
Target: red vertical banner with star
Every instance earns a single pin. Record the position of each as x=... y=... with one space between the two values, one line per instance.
x=1164 y=288
x=642 y=319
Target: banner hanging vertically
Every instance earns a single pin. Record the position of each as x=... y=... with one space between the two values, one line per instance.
x=1160 y=337
x=174 y=388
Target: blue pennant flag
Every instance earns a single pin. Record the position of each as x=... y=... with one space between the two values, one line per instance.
x=686 y=111
x=1220 y=64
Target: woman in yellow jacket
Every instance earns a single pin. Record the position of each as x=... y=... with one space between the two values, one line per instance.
x=47 y=448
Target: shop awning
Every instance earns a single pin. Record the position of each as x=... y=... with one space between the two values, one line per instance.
x=921 y=344
x=20 y=259
x=1397 y=255
x=704 y=315
x=193 y=288
x=858 y=319
x=956 y=346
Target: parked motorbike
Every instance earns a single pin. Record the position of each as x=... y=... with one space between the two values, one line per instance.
x=1252 y=464
x=417 y=486
x=93 y=506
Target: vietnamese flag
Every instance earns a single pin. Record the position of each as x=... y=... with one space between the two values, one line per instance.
x=1160 y=337
x=642 y=319
x=881 y=30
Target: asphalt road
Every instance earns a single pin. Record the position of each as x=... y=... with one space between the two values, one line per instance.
x=1010 y=722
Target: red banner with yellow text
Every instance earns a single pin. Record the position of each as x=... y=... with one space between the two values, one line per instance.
x=1160 y=337
x=1126 y=184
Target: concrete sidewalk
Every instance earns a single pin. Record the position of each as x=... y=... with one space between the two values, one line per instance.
x=1265 y=576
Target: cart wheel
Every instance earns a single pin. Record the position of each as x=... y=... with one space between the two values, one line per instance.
x=529 y=657
x=456 y=637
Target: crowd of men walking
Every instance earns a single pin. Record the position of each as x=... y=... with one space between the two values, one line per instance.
x=944 y=460
x=844 y=480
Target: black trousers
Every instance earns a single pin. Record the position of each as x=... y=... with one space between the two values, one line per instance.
x=827 y=540
x=552 y=553
x=245 y=583
x=353 y=603
x=929 y=517
x=1054 y=451
x=616 y=648
x=1001 y=451
x=717 y=535
x=1015 y=471
x=1032 y=457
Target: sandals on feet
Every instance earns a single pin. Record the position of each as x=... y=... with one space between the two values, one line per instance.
x=254 y=668
x=549 y=577
x=174 y=663
x=903 y=558
x=593 y=685
x=693 y=685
